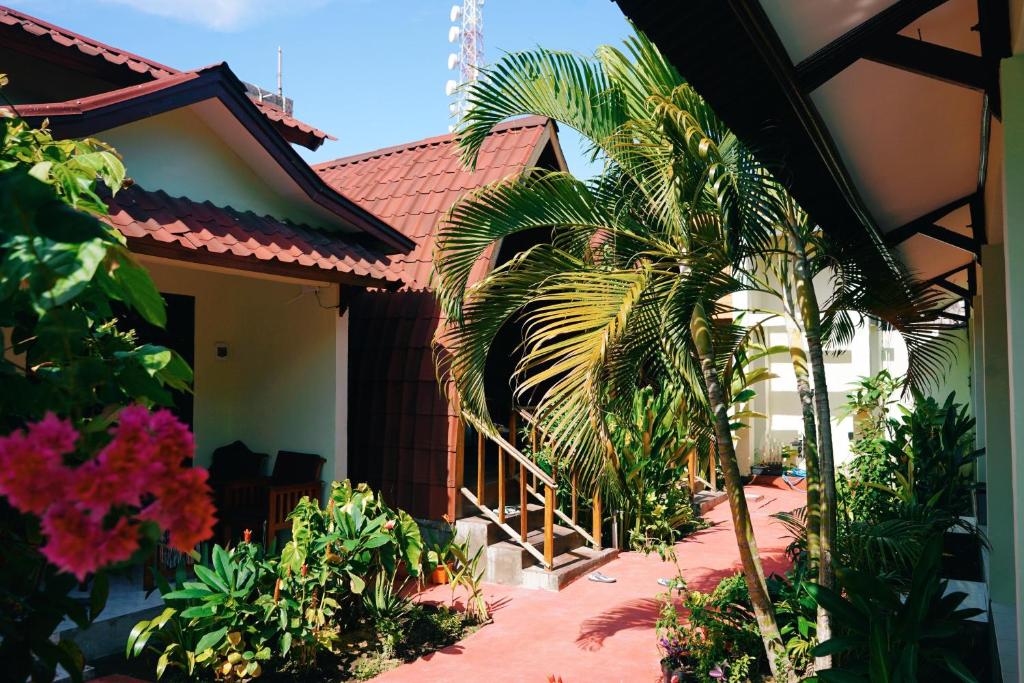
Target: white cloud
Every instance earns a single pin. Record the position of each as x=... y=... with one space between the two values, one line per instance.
x=219 y=15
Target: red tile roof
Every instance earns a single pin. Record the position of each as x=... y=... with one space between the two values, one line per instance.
x=228 y=237
x=413 y=186
x=294 y=130
x=88 y=116
x=87 y=46
x=291 y=128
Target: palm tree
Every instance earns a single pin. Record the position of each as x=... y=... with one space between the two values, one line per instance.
x=634 y=283
x=636 y=278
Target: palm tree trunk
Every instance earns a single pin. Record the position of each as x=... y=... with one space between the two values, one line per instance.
x=750 y=560
x=807 y=301
x=798 y=356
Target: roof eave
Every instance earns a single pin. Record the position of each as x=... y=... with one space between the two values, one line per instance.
x=78 y=119
x=756 y=92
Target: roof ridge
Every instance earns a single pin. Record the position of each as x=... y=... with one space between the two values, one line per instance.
x=24 y=17
x=503 y=127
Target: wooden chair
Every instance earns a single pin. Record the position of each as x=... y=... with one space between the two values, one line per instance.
x=262 y=503
x=295 y=475
x=237 y=476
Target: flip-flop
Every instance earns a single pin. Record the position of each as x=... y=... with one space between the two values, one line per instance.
x=601 y=578
x=670 y=583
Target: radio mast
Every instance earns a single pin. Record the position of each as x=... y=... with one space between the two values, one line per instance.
x=468 y=30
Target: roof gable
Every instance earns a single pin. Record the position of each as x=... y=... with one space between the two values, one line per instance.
x=45 y=41
x=412 y=186
x=91 y=115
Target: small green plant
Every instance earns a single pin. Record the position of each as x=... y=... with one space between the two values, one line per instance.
x=214 y=623
x=882 y=635
x=650 y=487
x=467 y=574
x=390 y=612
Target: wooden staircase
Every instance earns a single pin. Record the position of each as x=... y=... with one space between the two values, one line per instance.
x=532 y=550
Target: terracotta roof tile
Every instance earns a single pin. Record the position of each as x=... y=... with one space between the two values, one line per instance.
x=290 y=127
x=413 y=186
x=142 y=215
x=88 y=46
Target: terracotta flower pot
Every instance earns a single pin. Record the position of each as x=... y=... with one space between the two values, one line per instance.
x=439 y=576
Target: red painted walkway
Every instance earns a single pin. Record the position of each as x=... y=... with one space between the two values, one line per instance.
x=591 y=632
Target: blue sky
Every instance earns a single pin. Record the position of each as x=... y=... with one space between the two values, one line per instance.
x=370 y=72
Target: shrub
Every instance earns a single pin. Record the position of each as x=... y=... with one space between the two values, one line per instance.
x=336 y=576
x=89 y=477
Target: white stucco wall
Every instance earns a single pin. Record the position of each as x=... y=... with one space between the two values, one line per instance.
x=283 y=385
x=178 y=152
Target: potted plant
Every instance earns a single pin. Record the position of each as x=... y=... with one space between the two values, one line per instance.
x=438 y=560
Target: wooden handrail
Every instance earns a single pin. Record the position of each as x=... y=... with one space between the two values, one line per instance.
x=505 y=527
x=533 y=468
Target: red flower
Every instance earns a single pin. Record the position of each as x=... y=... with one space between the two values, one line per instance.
x=78 y=543
x=146 y=461
x=247 y=536
x=389 y=525
x=32 y=471
x=183 y=507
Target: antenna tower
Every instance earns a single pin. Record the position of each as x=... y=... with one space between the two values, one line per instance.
x=468 y=30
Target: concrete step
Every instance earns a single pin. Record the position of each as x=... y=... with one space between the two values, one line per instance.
x=509 y=563
x=568 y=566
x=707 y=500
x=127 y=605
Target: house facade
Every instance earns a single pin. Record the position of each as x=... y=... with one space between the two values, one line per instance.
x=300 y=295
x=256 y=255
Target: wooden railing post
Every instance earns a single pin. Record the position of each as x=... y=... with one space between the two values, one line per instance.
x=501 y=485
x=460 y=468
x=596 y=528
x=691 y=470
x=574 y=497
x=533 y=451
x=549 y=527
x=480 y=466
x=523 y=505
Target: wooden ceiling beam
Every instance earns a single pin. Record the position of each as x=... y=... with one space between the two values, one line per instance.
x=935 y=61
x=905 y=232
x=828 y=61
x=962 y=292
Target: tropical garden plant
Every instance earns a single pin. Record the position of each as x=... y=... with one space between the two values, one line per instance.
x=340 y=579
x=634 y=283
x=91 y=478
x=883 y=635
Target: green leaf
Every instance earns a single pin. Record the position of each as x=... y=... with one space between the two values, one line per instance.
x=199 y=611
x=211 y=639
x=211 y=579
x=357 y=583
x=83 y=260
x=188 y=594
x=138 y=290
x=98 y=595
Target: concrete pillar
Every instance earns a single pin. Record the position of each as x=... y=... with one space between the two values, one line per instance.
x=1012 y=88
x=994 y=423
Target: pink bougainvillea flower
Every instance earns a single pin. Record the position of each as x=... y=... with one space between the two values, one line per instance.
x=90 y=513
x=183 y=507
x=32 y=471
x=389 y=525
x=77 y=542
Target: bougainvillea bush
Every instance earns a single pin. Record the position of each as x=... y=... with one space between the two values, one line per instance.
x=92 y=471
